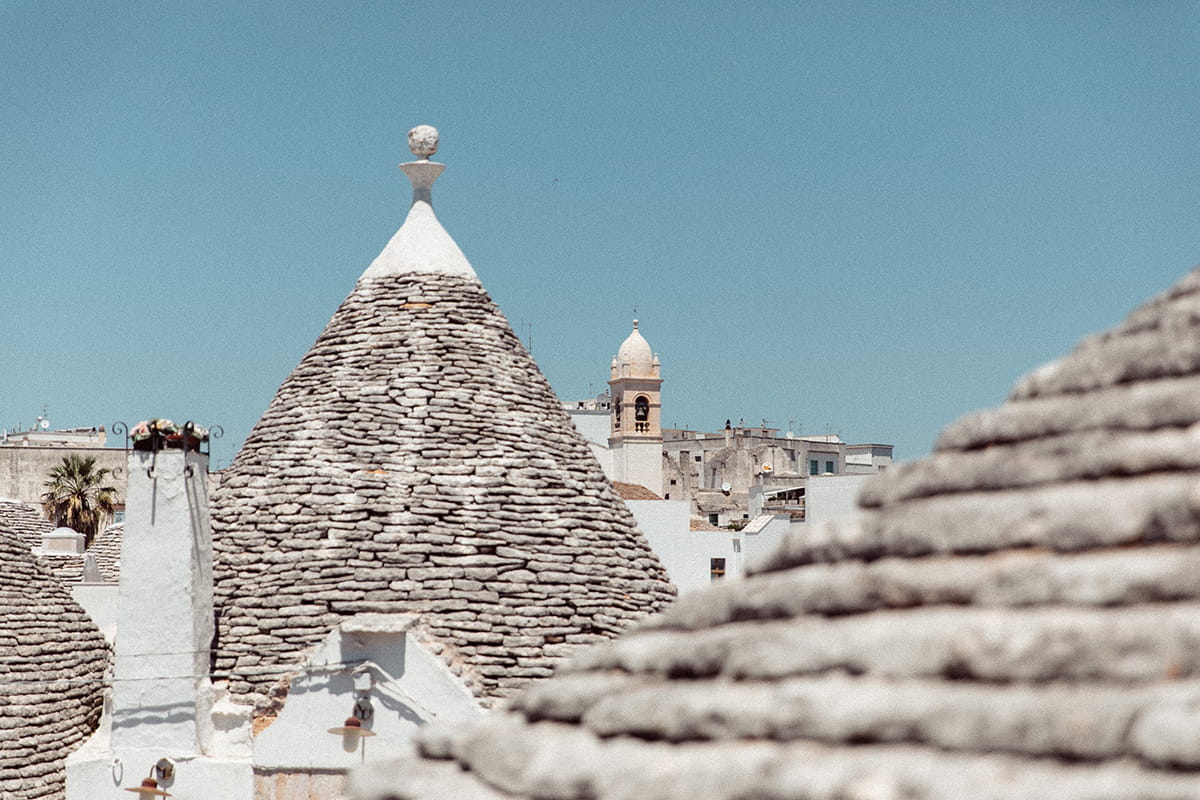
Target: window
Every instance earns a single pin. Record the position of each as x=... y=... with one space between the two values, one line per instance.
x=814 y=467
x=829 y=466
x=672 y=481
x=716 y=569
x=698 y=459
x=712 y=519
x=667 y=496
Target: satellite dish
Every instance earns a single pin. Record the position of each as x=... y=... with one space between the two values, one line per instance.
x=726 y=487
x=43 y=423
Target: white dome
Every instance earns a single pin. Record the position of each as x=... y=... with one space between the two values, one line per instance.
x=635 y=356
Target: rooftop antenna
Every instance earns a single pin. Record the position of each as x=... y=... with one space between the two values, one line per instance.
x=528 y=326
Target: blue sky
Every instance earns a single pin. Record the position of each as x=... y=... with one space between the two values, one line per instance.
x=867 y=218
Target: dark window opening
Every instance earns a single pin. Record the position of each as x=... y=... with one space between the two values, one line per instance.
x=641 y=413
x=716 y=569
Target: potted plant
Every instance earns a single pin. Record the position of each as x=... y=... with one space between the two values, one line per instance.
x=157 y=433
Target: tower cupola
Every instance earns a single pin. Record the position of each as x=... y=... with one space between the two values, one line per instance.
x=635 y=359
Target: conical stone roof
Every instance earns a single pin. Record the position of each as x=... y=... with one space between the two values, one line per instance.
x=53 y=660
x=25 y=521
x=416 y=460
x=1015 y=616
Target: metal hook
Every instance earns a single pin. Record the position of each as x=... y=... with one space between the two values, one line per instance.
x=155 y=440
x=120 y=427
x=214 y=432
x=189 y=428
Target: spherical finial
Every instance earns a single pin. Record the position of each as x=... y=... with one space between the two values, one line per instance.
x=423 y=141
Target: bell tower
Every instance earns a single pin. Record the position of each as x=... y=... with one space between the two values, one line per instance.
x=635 y=431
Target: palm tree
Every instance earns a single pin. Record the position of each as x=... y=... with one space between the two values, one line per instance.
x=78 y=497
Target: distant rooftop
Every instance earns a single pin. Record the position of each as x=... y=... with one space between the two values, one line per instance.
x=43 y=437
x=677 y=434
x=634 y=491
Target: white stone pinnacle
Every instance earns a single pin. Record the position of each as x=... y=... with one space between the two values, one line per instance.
x=421 y=244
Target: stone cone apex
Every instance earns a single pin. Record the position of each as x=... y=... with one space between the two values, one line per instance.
x=1013 y=617
x=417 y=461
x=53 y=660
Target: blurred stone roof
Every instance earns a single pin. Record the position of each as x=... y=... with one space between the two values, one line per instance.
x=1015 y=616
x=52 y=661
x=417 y=461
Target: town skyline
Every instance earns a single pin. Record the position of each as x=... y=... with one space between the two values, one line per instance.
x=866 y=219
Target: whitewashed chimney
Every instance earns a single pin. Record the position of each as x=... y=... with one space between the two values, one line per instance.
x=160 y=719
x=165 y=617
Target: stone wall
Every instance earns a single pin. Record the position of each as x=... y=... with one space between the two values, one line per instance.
x=23 y=470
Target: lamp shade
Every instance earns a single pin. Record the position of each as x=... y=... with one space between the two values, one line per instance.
x=352 y=727
x=148 y=789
